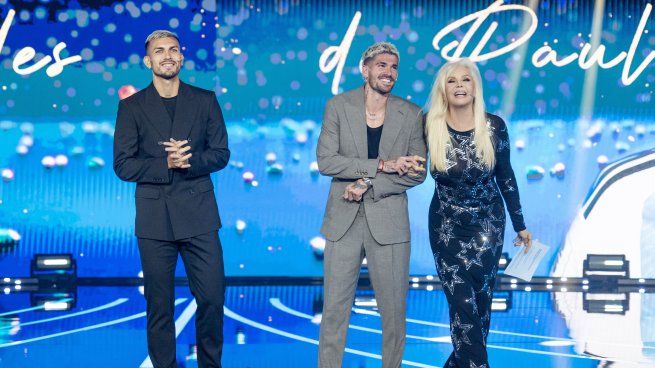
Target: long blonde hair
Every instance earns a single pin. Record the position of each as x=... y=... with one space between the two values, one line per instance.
x=436 y=128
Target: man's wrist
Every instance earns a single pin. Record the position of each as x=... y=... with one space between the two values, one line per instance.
x=381 y=165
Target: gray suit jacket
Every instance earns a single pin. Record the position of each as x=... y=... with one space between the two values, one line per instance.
x=342 y=153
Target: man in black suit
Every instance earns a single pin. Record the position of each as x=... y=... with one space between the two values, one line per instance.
x=169 y=137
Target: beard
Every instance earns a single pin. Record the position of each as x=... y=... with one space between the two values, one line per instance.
x=377 y=85
x=167 y=74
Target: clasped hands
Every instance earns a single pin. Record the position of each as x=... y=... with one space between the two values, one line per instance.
x=178 y=158
x=404 y=165
x=410 y=165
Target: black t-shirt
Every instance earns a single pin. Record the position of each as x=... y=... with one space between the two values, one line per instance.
x=169 y=103
x=373 y=135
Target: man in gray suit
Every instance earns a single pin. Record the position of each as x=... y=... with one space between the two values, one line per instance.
x=373 y=147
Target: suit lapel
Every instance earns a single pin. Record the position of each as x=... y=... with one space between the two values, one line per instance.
x=393 y=122
x=185 y=113
x=156 y=112
x=356 y=116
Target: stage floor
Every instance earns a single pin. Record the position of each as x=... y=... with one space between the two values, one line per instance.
x=277 y=326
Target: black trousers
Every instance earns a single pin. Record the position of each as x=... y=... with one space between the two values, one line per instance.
x=203 y=260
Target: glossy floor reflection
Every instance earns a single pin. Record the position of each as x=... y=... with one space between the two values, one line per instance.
x=277 y=326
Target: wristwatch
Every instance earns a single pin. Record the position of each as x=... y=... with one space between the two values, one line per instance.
x=368 y=182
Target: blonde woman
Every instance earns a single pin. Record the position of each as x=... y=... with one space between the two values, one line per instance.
x=469 y=160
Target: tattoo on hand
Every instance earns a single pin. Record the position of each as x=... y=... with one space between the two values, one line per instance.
x=360 y=185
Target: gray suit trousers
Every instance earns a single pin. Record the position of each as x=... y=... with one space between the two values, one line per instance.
x=389 y=272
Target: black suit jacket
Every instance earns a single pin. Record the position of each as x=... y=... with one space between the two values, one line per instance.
x=171 y=204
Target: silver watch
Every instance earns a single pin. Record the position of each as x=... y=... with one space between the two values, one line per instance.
x=368 y=182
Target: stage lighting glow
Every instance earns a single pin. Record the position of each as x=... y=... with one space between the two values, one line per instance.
x=606 y=265
x=52 y=262
x=56 y=262
x=240 y=226
x=26 y=141
x=61 y=160
x=313 y=168
x=613 y=308
x=535 y=172
x=193 y=354
x=498 y=305
x=240 y=337
x=558 y=170
x=77 y=150
x=606 y=303
x=275 y=168
x=8 y=175
x=9 y=237
x=318 y=246
x=271 y=157
x=90 y=127
x=503 y=261
x=557 y=343
x=366 y=302
x=56 y=306
x=48 y=162
x=520 y=144
x=248 y=177
x=22 y=149
x=95 y=162
x=301 y=137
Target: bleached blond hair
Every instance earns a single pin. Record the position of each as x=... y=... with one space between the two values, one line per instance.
x=436 y=129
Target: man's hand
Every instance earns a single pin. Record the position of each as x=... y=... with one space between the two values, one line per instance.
x=355 y=191
x=177 y=159
x=405 y=164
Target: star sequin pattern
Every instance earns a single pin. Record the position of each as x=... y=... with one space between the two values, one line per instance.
x=446 y=232
x=472 y=365
x=471 y=300
x=460 y=336
x=470 y=254
x=453 y=280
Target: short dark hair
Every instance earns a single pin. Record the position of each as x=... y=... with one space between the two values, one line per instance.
x=160 y=33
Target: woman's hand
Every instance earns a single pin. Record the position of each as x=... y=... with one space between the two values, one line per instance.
x=524 y=237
